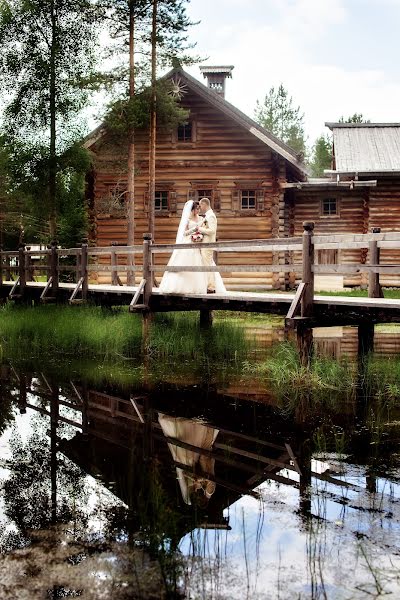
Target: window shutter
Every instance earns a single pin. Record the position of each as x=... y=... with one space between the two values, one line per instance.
x=236 y=200
x=194 y=131
x=172 y=201
x=146 y=197
x=191 y=195
x=260 y=194
x=217 y=200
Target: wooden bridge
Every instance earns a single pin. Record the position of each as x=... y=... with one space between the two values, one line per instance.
x=69 y=275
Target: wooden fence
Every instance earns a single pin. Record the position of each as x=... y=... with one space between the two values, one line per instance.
x=295 y=255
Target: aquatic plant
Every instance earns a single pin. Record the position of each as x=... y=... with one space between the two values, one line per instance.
x=324 y=380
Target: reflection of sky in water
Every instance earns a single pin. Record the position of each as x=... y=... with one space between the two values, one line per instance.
x=271 y=546
x=272 y=551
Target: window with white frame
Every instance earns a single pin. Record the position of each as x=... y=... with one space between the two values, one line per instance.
x=185 y=132
x=329 y=207
x=161 y=200
x=248 y=199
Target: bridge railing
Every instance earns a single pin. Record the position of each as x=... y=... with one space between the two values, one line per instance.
x=290 y=255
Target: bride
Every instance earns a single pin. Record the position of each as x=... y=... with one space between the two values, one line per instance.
x=187 y=282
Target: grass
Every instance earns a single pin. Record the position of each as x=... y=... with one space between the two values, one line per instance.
x=326 y=380
x=73 y=331
x=90 y=331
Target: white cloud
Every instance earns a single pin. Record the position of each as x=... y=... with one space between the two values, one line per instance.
x=297 y=43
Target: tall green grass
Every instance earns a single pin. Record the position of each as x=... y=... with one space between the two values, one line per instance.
x=74 y=331
x=324 y=381
x=90 y=331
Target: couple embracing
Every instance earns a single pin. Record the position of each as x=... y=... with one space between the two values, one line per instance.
x=198 y=224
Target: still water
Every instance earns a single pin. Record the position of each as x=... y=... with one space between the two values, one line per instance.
x=180 y=483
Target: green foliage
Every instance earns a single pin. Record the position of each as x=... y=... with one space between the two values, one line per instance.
x=321 y=156
x=87 y=331
x=47 y=58
x=325 y=381
x=24 y=199
x=52 y=330
x=134 y=113
x=355 y=118
x=279 y=116
x=172 y=42
x=39 y=38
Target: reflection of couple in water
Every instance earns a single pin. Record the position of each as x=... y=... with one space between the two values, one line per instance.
x=193 y=468
x=194 y=228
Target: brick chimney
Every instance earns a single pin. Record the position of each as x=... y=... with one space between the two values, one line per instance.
x=216 y=78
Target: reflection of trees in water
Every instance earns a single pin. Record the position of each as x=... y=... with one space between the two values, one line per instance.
x=28 y=490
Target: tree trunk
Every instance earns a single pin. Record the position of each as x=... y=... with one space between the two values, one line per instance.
x=52 y=157
x=153 y=122
x=130 y=190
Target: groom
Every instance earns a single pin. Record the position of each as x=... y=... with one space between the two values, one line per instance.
x=209 y=230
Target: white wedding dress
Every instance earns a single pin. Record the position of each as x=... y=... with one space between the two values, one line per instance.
x=199 y=435
x=187 y=282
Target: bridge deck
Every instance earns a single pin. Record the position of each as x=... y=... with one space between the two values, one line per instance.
x=328 y=310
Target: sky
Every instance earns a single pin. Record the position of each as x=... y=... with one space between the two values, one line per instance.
x=335 y=57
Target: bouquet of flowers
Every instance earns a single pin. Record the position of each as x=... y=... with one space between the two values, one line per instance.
x=197 y=237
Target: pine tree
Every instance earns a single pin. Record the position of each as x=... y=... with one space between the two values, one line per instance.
x=279 y=116
x=47 y=58
x=355 y=118
x=321 y=156
x=137 y=34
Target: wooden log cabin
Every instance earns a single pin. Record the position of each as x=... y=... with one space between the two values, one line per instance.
x=220 y=153
x=360 y=192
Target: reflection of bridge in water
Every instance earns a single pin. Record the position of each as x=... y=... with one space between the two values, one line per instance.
x=202 y=464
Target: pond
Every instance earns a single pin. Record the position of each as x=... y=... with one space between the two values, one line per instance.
x=229 y=478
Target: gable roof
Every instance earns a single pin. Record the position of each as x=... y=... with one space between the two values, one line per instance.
x=366 y=148
x=229 y=110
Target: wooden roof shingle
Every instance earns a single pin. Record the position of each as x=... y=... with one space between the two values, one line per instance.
x=366 y=148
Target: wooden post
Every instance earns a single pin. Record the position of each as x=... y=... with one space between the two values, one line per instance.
x=366 y=331
x=206 y=318
x=147 y=273
x=114 y=263
x=8 y=269
x=1 y=265
x=54 y=273
x=28 y=265
x=21 y=268
x=305 y=346
x=308 y=275
x=84 y=271
x=374 y=288
x=78 y=268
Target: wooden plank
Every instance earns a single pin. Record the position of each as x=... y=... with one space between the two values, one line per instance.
x=295 y=306
x=257 y=457
x=345 y=245
x=137 y=294
x=226 y=249
x=341 y=269
x=117 y=249
x=112 y=268
x=231 y=269
x=63 y=252
x=356 y=237
x=389 y=245
x=76 y=290
x=238 y=245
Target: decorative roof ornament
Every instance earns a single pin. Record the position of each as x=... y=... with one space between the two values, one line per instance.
x=178 y=88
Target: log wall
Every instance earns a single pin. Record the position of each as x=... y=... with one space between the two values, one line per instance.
x=360 y=210
x=223 y=157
